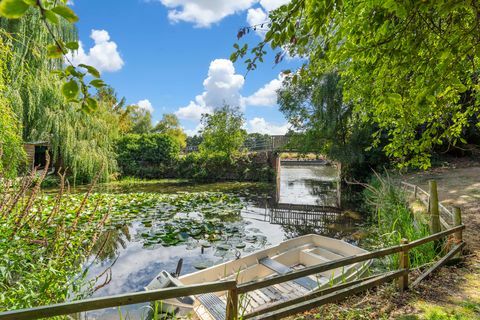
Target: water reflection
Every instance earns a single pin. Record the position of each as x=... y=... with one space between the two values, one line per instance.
x=305 y=201
x=311 y=185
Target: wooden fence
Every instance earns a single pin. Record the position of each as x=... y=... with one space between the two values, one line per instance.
x=280 y=309
x=430 y=200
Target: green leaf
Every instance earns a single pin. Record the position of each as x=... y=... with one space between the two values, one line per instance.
x=13 y=9
x=50 y=16
x=94 y=72
x=54 y=52
x=66 y=13
x=73 y=45
x=97 y=83
x=92 y=104
x=70 y=89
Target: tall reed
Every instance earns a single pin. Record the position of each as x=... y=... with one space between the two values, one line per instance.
x=394 y=220
x=43 y=241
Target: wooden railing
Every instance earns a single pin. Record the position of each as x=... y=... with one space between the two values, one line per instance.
x=445 y=216
x=280 y=309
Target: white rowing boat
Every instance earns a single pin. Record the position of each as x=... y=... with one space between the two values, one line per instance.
x=293 y=254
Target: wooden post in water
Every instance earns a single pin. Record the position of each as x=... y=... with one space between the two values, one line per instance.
x=434 y=214
x=232 y=304
x=404 y=263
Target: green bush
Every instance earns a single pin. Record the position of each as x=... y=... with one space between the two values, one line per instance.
x=395 y=221
x=149 y=155
x=221 y=166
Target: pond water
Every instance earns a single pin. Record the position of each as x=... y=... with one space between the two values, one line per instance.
x=267 y=214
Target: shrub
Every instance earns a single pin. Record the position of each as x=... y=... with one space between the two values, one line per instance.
x=395 y=221
x=221 y=166
x=149 y=155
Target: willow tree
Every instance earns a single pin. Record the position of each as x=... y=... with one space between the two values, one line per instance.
x=11 y=151
x=81 y=142
x=409 y=67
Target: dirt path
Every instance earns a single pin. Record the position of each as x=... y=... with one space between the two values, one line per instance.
x=457 y=187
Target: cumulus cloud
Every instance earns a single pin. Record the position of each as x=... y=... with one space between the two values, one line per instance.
x=203 y=13
x=192 y=132
x=270 y=5
x=103 y=55
x=222 y=86
x=260 y=125
x=265 y=96
x=145 y=105
x=255 y=17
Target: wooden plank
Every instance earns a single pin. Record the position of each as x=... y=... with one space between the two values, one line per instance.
x=280 y=268
x=439 y=263
x=338 y=295
x=315 y=294
x=115 y=301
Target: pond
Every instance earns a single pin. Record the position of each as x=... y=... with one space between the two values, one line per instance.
x=205 y=224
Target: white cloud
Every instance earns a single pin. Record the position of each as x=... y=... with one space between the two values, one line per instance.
x=192 y=132
x=204 y=13
x=222 y=86
x=265 y=96
x=270 y=5
x=257 y=17
x=103 y=55
x=193 y=111
x=260 y=125
x=145 y=105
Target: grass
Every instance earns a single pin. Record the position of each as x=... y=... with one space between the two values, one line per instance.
x=394 y=221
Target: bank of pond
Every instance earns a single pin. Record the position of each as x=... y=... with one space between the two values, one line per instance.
x=116 y=238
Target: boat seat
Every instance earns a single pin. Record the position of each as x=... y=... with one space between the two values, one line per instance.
x=280 y=268
x=214 y=305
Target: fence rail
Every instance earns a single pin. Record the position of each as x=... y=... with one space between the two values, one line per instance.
x=280 y=309
x=446 y=216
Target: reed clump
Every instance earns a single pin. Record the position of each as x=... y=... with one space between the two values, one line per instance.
x=43 y=241
x=394 y=220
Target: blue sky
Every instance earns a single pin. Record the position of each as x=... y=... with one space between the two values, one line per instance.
x=173 y=54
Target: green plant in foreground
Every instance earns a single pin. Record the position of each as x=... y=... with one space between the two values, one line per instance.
x=395 y=221
x=42 y=244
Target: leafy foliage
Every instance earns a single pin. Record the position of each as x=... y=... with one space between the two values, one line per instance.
x=170 y=125
x=146 y=155
x=54 y=13
x=140 y=120
x=223 y=131
x=395 y=221
x=409 y=67
x=325 y=123
x=80 y=142
x=221 y=166
x=11 y=151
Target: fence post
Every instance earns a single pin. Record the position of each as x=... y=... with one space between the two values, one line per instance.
x=232 y=304
x=404 y=263
x=457 y=220
x=434 y=214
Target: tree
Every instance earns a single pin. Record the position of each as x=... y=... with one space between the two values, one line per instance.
x=141 y=119
x=11 y=151
x=170 y=125
x=223 y=131
x=80 y=142
x=409 y=67
x=323 y=122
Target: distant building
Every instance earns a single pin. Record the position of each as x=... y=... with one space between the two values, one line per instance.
x=36 y=154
